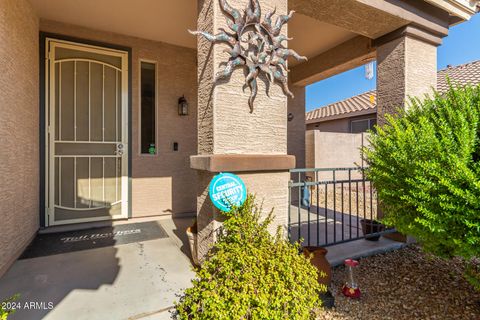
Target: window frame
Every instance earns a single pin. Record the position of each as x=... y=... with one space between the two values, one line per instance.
x=369 y=124
x=155 y=63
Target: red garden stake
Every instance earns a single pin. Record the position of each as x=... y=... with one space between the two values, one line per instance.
x=351 y=289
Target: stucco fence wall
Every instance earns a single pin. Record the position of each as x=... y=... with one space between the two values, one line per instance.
x=334 y=150
x=19 y=128
x=340 y=150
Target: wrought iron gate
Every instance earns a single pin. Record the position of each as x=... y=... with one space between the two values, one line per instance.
x=332 y=205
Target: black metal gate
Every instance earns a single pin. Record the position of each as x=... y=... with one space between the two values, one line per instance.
x=332 y=205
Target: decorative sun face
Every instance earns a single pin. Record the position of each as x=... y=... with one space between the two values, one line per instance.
x=255 y=44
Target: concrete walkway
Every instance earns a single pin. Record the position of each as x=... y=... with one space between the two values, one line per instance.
x=131 y=281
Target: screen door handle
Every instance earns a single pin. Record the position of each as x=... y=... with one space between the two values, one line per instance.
x=119 y=150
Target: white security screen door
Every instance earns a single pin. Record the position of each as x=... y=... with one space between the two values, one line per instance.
x=87 y=133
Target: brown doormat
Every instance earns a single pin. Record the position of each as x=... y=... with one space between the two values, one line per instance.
x=63 y=242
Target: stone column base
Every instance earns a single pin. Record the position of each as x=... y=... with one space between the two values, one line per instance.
x=265 y=176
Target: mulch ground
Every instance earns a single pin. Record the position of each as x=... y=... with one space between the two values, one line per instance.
x=364 y=206
x=406 y=284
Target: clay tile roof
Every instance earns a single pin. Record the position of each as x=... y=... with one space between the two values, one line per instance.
x=464 y=74
x=345 y=107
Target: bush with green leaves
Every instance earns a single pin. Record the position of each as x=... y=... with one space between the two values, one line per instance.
x=425 y=165
x=5 y=309
x=251 y=274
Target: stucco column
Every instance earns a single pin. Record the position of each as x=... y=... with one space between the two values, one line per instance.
x=406 y=67
x=230 y=138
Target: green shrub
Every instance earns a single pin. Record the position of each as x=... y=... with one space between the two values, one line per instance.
x=472 y=274
x=6 y=311
x=250 y=274
x=425 y=164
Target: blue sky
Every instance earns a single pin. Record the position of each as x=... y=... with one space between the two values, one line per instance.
x=461 y=46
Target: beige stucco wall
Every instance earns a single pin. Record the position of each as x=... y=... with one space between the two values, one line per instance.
x=163 y=183
x=338 y=125
x=19 y=128
x=406 y=67
x=225 y=122
x=421 y=68
x=334 y=149
x=296 y=127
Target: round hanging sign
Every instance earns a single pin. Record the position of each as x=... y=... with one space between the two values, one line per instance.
x=227 y=189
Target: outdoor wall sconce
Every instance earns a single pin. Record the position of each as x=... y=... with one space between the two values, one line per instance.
x=290 y=116
x=255 y=44
x=182 y=106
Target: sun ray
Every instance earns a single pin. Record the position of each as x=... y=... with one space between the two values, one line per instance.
x=227 y=72
x=255 y=44
x=280 y=77
x=281 y=20
x=268 y=18
x=285 y=53
x=234 y=13
x=253 y=11
x=219 y=37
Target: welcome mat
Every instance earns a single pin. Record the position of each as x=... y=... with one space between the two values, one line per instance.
x=63 y=242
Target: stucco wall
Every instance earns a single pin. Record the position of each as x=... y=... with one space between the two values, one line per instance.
x=296 y=127
x=334 y=149
x=225 y=122
x=163 y=183
x=406 y=67
x=19 y=123
x=338 y=125
x=421 y=68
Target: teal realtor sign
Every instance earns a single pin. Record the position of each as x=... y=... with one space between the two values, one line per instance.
x=227 y=189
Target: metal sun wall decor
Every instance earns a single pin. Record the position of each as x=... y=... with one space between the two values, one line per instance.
x=254 y=44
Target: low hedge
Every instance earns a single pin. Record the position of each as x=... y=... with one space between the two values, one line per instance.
x=425 y=165
x=251 y=274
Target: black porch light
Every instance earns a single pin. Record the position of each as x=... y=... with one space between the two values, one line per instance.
x=182 y=106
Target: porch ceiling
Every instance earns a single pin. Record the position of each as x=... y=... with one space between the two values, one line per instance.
x=162 y=20
x=312 y=37
x=168 y=21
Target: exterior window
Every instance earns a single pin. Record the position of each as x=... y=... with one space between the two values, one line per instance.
x=358 y=126
x=373 y=123
x=147 y=105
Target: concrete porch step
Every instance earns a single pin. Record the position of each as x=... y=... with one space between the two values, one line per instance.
x=359 y=249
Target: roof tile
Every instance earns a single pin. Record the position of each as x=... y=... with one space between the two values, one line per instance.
x=468 y=73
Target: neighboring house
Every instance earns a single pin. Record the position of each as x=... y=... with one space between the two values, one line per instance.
x=110 y=109
x=359 y=113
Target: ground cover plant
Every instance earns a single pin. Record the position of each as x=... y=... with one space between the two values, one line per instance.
x=7 y=307
x=425 y=165
x=252 y=274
